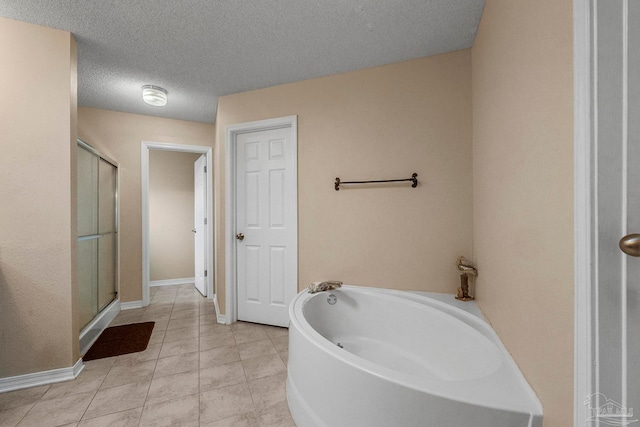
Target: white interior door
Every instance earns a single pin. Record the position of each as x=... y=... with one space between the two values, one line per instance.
x=266 y=225
x=616 y=211
x=200 y=223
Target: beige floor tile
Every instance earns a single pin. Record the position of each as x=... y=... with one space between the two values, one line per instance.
x=55 y=412
x=149 y=354
x=87 y=381
x=158 y=309
x=248 y=335
x=208 y=318
x=281 y=344
x=252 y=349
x=184 y=305
x=162 y=299
x=268 y=391
x=285 y=358
x=263 y=366
x=12 y=416
x=182 y=334
x=277 y=415
x=214 y=328
x=176 y=364
x=12 y=399
x=156 y=317
x=225 y=402
x=157 y=336
x=216 y=340
x=117 y=399
x=132 y=312
x=207 y=309
x=174 y=348
x=190 y=375
x=127 y=374
x=249 y=419
x=238 y=326
x=184 y=313
x=99 y=365
x=125 y=320
x=179 y=412
x=161 y=325
x=221 y=376
x=128 y=418
x=276 y=331
x=183 y=323
x=173 y=386
x=218 y=356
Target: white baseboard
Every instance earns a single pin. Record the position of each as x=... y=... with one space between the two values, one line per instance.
x=41 y=378
x=131 y=305
x=221 y=319
x=169 y=282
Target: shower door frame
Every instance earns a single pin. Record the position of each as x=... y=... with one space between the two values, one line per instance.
x=90 y=332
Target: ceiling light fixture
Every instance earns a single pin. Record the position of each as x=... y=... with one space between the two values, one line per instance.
x=154 y=95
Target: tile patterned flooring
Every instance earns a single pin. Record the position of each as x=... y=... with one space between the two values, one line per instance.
x=194 y=372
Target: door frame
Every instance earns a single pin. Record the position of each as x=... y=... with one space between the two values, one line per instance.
x=145 y=147
x=583 y=204
x=232 y=132
x=585 y=198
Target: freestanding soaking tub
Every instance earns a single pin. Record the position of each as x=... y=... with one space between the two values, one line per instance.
x=375 y=357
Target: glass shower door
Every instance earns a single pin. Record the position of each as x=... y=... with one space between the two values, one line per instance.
x=97 y=233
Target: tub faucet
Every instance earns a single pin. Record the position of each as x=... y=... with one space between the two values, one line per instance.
x=466 y=270
x=329 y=285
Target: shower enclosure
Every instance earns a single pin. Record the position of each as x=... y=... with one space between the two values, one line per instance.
x=97 y=235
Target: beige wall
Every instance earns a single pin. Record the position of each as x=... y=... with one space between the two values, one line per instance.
x=383 y=122
x=171 y=195
x=118 y=136
x=523 y=189
x=38 y=287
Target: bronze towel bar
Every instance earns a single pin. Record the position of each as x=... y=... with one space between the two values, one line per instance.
x=413 y=179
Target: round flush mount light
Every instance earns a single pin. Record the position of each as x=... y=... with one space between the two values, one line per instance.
x=154 y=95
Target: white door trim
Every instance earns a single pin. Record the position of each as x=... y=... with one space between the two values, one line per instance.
x=232 y=131
x=145 y=147
x=583 y=221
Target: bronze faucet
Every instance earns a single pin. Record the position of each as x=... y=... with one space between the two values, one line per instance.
x=467 y=270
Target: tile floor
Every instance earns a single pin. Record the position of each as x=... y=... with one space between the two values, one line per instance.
x=195 y=372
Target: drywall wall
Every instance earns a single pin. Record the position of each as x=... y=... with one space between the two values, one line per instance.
x=383 y=122
x=38 y=287
x=118 y=136
x=171 y=198
x=523 y=189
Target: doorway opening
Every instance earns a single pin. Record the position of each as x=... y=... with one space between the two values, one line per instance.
x=203 y=258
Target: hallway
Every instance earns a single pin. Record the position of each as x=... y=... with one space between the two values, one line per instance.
x=194 y=372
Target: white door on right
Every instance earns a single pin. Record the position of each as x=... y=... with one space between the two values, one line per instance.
x=266 y=225
x=616 y=211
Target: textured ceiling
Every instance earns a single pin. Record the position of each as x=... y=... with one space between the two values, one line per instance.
x=202 y=49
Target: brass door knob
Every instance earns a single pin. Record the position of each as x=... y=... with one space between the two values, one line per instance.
x=240 y=236
x=630 y=244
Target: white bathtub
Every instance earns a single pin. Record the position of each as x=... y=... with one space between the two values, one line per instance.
x=405 y=360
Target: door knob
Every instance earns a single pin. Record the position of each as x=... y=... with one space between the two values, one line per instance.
x=630 y=244
x=240 y=236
